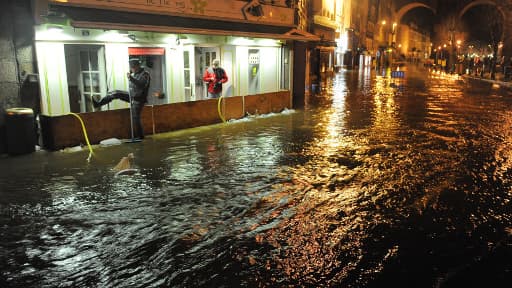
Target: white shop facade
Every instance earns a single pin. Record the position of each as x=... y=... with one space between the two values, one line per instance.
x=83 y=48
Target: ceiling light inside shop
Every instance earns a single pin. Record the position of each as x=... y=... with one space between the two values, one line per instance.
x=242 y=41
x=55 y=28
x=52 y=33
x=170 y=39
x=113 y=36
x=269 y=42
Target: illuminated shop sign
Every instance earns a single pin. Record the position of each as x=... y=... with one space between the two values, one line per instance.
x=145 y=51
x=251 y=11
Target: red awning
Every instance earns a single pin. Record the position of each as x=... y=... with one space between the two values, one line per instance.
x=135 y=51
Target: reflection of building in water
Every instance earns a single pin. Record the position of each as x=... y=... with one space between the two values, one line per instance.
x=385 y=116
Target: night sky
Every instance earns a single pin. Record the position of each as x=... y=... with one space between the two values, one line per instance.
x=422 y=17
x=480 y=21
x=476 y=20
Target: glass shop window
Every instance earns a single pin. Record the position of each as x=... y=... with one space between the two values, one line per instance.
x=85 y=68
x=153 y=60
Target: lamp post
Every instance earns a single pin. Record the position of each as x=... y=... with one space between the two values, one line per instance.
x=440 y=57
x=460 y=59
x=384 y=36
x=393 y=35
x=381 y=54
x=435 y=56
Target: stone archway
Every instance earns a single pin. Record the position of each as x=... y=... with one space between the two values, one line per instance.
x=506 y=13
x=408 y=7
x=478 y=3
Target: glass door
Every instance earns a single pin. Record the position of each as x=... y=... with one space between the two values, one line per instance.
x=187 y=77
x=85 y=68
x=204 y=57
x=92 y=85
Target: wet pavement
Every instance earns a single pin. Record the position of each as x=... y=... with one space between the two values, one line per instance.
x=377 y=183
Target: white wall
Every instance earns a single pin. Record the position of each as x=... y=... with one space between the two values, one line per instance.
x=175 y=75
x=116 y=56
x=53 y=79
x=269 y=67
x=228 y=64
x=242 y=60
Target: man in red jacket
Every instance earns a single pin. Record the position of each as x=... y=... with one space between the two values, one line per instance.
x=215 y=76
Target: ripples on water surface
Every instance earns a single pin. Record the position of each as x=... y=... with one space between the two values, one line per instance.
x=374 y=184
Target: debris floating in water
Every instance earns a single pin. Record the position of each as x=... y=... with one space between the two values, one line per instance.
x=124 y=164
x=129 y=171
x=72 y=149
x=110 y=142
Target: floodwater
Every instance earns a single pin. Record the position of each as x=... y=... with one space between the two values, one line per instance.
x=376 y=183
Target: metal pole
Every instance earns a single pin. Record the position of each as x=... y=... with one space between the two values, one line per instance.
x=132 y=140
x=131 y=114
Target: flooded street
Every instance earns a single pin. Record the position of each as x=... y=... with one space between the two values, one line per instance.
x=377 y=183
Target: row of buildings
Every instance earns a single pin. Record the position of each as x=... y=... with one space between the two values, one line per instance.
x=362 y=33
x=60 y=54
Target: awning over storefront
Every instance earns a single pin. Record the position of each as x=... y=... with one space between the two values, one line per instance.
x=114 y=20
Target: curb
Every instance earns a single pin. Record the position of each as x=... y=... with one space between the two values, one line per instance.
x=500 y=83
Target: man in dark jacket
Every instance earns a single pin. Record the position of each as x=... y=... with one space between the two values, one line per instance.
x=139 y=86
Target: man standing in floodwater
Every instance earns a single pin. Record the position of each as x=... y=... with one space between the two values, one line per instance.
x=139 y=86
x=215 y=76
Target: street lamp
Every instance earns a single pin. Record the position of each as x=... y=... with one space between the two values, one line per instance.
x=439 y=55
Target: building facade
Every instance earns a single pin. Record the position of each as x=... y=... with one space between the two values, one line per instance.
x=324 y=18
x=89 y=56
x=413 y=44
x=83 y=48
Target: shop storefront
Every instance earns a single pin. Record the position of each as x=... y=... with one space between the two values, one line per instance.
x=76 y=68
x=84 y=54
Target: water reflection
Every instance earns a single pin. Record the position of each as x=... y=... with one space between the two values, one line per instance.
x=379 y=183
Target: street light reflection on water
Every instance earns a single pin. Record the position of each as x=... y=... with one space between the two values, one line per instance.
x=380 y=182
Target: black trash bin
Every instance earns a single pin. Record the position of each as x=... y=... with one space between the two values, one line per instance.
x=20 y=131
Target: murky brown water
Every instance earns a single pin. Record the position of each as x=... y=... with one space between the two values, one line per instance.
x=375 y=184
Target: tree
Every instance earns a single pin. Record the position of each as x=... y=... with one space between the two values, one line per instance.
x=494 y=22
x=447 y=32
x=485 y=23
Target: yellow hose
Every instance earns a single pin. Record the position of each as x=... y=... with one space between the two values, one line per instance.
x=218 y=109
x=85 y=135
